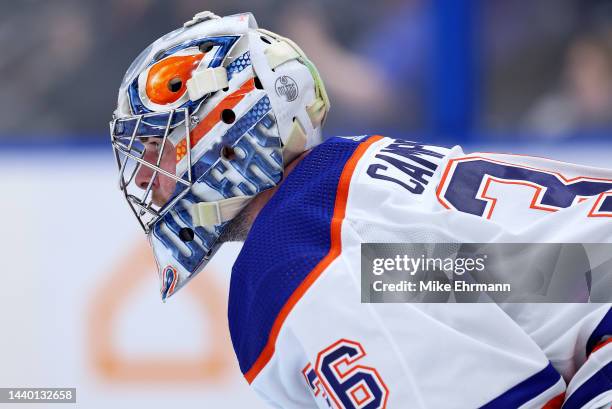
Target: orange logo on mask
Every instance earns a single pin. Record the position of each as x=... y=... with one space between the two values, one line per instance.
x=167 y=79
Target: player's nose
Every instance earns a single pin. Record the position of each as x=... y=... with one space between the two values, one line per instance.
x=145 y=173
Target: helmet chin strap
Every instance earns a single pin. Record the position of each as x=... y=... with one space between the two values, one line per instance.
x=209 y=214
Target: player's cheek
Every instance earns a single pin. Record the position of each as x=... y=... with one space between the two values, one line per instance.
x=168 y=185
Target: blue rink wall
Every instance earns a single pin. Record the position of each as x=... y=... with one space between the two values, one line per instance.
x=80 y=305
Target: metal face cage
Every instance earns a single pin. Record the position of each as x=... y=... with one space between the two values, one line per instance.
x=128 y=138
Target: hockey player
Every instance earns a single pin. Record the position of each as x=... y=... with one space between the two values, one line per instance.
x=217 y=136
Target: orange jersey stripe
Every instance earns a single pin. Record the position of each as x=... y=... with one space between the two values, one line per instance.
x=601 y=345
x=334 y=251
x=556 y=402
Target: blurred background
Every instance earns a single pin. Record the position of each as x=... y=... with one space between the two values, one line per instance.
x=80 y=306
x=469 y=70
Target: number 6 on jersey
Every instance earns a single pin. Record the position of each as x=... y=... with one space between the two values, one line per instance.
x=349 y=384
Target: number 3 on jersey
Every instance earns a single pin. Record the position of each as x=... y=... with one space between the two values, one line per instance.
x=467 y=183
x=350 y=384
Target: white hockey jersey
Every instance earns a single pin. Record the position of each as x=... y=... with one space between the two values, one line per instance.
x=304 y=340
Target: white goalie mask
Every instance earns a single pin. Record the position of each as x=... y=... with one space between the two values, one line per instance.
x=207 y=118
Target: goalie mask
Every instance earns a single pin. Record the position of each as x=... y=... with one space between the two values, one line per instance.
x=207 y=117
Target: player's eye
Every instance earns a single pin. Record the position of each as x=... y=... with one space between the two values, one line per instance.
x=151 y=144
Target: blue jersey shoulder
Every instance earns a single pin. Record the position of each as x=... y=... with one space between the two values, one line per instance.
x=288 y=239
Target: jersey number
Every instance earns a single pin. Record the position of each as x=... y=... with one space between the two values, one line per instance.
x=349 y=384
x=466 y=181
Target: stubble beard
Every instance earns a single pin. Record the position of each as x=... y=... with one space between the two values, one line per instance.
x=238 y=228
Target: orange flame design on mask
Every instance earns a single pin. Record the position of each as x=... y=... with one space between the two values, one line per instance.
x=167 y=79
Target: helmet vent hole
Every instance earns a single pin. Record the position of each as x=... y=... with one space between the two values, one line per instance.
x=227 y=152
x=225 y=89
x=175 y=84
x=186 y=234
x=206 y=46
x=258 y=83
x=228 y=116
x=265 y=40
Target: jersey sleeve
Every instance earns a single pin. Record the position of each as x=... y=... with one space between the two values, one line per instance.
x=591 y=386
x=590 y=368
x=387 y=355
x=575 y=338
